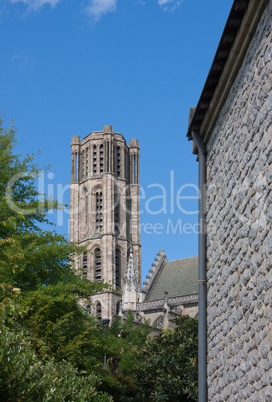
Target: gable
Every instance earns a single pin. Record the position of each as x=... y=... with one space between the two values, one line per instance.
x=178 y=278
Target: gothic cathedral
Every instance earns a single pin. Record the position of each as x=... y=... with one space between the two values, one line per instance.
x=105 y=213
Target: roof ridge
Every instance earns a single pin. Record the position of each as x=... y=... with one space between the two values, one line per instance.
x=185 y=258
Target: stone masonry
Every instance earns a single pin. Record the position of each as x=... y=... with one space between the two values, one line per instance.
x=239 y=231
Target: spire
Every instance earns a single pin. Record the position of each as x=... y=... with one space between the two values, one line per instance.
x=131 y=279
x=130 y=290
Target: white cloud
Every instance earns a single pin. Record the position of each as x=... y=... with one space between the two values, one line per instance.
x=169 y=5
x=97 y=8
x=25 y=63
x=35 y=4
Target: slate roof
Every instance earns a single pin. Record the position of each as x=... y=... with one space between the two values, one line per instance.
x=178 y=278
x=223 y=51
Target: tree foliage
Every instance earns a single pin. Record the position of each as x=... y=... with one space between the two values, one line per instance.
x=167 y=366
x=39 y=291
x=51 y=348
x=27 y=376
x=29 y=255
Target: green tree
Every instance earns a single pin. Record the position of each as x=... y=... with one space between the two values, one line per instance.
x=29 y=256
x=50 y=346
x=39 y=291
x=27 y=373
x=167 y=365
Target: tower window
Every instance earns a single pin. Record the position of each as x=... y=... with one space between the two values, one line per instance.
x=101 y=158
x=98 y=310
x=85 y=265
x=82 y=164
x=118 y=268
x=86 y=213
x=116 y=213
x=97 y=265
x=118 y=161
x=127 y=166
x=128 y=216
x=118 y=306
x=94 y=160
x=87 y=161
x=76 y=170
x=133 y=171
x=99 y=212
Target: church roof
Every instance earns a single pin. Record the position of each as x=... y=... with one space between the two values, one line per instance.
x=178 y=278
x=237 y=35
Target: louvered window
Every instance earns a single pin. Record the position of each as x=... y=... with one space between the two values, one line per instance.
x=118 y=161
x=85 y=265
x=116 y=213
x=97 y=265
x=94 y=160
x=98 y=310
x=118 y=268
x=101 y=159
x=99 y=210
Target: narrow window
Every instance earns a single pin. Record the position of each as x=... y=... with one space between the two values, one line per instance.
x=134 y=173
x=128 y=204
x=118 y=306
x=82 y=164
x=101 y=159
x=98 y=310
x=116 y=213
x=118 y=268
x=99 y=213
x=97 y=265
x=85 y=265
x=76 y=179
x=86 y=213
x=118 y=160
x=87 y=162
x=126 y=166
x=94 y=160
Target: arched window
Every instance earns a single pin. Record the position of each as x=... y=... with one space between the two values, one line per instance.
x=86 y=213
x=128 y=216
x=94 y=160
x=85 y=265
x=97 y=265
x=76 y=167
x=99 y=210
x=134 y=169
x=127 y=167
x=87 y=161
x=101 y=158
x=82 y=165
x=118 y=161
x=116 y=213
x=98 y=311
x=118 y=306
x=118 y=268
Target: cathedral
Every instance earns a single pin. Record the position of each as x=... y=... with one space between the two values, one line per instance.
x=105 y=219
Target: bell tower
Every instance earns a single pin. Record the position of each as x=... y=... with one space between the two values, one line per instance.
x=105 y=212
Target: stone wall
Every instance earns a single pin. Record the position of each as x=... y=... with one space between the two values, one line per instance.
x=239 y=232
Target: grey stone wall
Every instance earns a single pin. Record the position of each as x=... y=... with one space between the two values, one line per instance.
x=239 y=232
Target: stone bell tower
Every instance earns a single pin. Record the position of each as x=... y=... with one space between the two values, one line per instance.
x=105 y=212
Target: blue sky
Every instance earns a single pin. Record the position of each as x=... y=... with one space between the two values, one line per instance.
x=70 y=67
